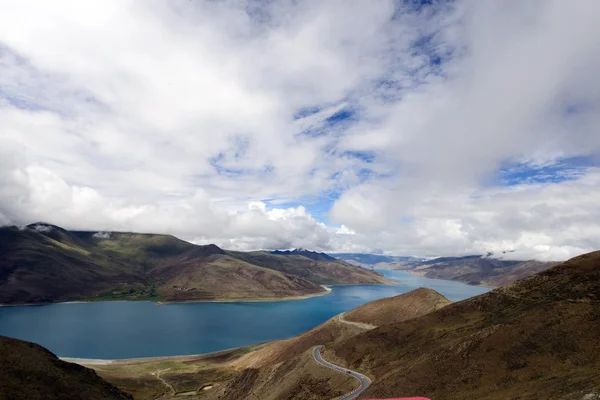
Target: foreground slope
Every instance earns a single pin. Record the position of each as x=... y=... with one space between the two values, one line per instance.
x=286 y=368
x=535 y=339
x=44 y=263
x=30 y=372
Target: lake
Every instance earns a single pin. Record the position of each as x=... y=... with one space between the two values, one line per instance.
x=112 y=330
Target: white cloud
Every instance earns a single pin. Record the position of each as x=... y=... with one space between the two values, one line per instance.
x=178 y=117
x=344 y=230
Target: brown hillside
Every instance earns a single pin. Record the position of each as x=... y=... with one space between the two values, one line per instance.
x=474 y=270
x=400 y=308
x=538 y=338
x=409 y=305
x=30 y=372
x=296 y=378
x=221 y=277
x=319 y=271
x=44 y=263
x=282 y=350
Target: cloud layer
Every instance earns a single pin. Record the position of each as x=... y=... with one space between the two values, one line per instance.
x=451 y=128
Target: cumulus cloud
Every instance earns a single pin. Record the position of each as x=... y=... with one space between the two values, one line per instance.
x=215 y=121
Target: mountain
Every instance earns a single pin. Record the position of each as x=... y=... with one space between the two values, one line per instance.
x=30 y=372
x=534 y=339
x=43 y=263
x=371 y=259
x=313 y=255
x=325 y=271
x=473 y=269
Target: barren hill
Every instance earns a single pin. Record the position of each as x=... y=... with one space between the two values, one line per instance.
x=44 y=263
x=534 y=339
x=284 y=367
x=400 y=308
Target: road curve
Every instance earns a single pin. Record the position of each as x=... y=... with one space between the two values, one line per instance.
x=361 y=325
x=364 y=381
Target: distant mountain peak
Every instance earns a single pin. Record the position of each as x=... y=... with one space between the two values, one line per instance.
x=207 y=250
x=43 y=227
x=313 y=255
x=102 y=235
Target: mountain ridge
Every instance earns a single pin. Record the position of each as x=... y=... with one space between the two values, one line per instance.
x=43 y=263
x=313 y=255
x=482 y=270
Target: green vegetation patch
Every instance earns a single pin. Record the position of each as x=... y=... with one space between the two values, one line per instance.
x=129 y=292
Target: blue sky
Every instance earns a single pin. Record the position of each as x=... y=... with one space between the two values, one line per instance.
x=560 y=170
x=412 y=128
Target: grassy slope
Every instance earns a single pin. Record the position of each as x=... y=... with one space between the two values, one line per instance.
x=536 y=338
x=30 y=372
x=60 y=265
x=37 y=268
x=184 y=374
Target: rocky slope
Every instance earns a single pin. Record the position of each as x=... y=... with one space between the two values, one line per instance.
x=30 y=372
x=43 y=263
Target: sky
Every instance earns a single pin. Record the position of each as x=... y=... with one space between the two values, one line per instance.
x=420 y=128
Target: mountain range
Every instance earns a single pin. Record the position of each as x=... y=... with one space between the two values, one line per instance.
x=485 y=270
x=43 y=263
x=536 y=338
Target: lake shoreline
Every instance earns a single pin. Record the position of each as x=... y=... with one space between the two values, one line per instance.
x=326 y=290
x=141 y=330
x=112 y=361
x=422 y=275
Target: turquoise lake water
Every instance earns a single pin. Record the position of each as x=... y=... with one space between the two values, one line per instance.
x=111 y=330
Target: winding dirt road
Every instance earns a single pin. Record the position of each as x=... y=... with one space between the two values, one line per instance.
x=364 y=381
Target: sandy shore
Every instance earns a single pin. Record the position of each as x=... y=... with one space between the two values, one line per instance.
x=87 y=361
x=326 y=290
x=120 y=361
